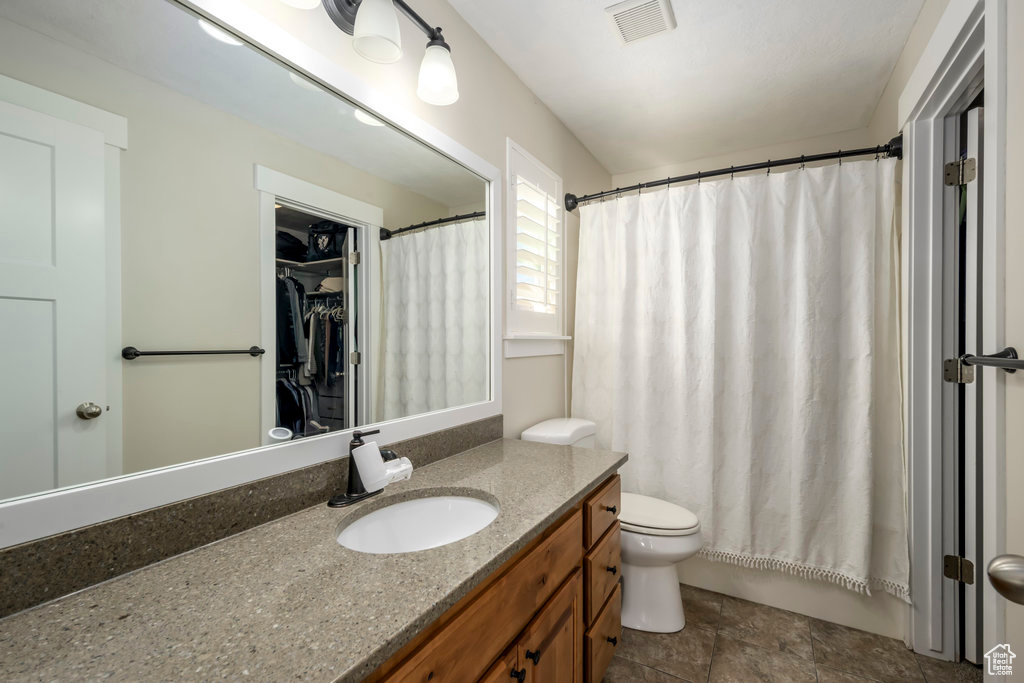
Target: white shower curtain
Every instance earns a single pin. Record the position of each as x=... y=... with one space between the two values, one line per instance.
x=434 y=319
x=740 y=339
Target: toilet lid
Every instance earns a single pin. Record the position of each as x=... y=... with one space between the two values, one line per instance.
x=655 y=516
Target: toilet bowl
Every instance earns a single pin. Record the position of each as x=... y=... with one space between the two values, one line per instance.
x=655 y=536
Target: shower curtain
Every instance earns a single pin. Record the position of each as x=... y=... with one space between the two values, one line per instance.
x=740 y=339
x=434 y=319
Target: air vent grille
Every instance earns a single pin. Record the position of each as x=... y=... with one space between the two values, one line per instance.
x=637 y=19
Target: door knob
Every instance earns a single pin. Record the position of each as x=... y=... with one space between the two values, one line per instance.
x=88 y=410
x=1006 y=573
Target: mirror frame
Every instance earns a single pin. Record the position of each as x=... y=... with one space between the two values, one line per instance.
x=44 y=514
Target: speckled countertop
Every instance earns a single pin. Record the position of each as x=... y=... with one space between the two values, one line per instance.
x=284 y=600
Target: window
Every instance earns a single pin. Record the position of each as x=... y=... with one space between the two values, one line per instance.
x=535 y=269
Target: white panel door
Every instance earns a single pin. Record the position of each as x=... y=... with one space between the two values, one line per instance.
x=52 y=302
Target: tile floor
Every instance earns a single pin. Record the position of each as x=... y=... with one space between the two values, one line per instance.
x=727 y=639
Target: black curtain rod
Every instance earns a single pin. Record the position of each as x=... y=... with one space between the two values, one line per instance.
x=386 y=234
x=893 y=148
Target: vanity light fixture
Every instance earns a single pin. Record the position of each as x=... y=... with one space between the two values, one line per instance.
x=376 y=35
x=218 y=33
x=363 y=117
x=373 y=24
x=303 y=83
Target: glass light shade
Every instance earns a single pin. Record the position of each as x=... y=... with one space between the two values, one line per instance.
x=437 y=83
x=302 y=4
x=363 y=117
x=376 y=35
x=218 y=33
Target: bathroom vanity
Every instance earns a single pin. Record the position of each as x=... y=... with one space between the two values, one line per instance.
x=285 y=600
x=557 y=602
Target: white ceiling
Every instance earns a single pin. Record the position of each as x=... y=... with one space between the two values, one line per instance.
x=163 y=43
x=733 y=75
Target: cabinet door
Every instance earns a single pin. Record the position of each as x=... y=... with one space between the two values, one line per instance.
x=507 y=668
x=550 y=648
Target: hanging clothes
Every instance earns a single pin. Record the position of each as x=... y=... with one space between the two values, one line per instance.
x=287 y=354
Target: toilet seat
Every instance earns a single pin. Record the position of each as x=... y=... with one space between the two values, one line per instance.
x=656 y=517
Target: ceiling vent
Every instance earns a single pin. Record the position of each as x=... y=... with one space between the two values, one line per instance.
x=638 y=19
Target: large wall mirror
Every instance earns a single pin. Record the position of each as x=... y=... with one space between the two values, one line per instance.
x=208 y=252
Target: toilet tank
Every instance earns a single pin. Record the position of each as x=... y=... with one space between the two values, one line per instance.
x=563 y=431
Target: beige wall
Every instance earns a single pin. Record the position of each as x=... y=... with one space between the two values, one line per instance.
x=190 y=246
x=494 y=104
x=1014 y=308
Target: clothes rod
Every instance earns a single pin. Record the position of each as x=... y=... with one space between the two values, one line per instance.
x=893 y=148
x=386 y=234
x=1006 y=359
x=131 y=353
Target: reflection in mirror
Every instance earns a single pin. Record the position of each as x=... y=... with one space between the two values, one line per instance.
x=165 y=187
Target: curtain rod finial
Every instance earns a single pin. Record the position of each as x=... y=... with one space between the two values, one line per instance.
x=571 y=201
x=896 y=147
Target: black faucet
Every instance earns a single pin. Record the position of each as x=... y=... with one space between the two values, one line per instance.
x=356 y=491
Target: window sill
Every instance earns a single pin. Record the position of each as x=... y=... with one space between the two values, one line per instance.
x=526 y=346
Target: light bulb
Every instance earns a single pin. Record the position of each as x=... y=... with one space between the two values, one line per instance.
x=376 y=35
x=303 y=83
x=437 y=82
x=218 y=33
x=363 y=117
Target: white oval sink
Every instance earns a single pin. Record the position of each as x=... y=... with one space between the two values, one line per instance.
x=418 y=524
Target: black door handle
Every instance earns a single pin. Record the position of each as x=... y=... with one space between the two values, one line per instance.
x=612 y=570
x=519 y=675
x=611 y=508
x=534 y=655
x=613 y=640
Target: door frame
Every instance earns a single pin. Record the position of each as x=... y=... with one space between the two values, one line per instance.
x=969 y=44
x=272 y=185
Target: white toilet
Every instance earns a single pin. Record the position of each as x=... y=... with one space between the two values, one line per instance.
x=656 y=535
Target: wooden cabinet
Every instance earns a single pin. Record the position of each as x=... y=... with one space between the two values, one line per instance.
x=602 y=572
x=601 y=510
x=550 y=650
x=603 y=637
x=551 y=647
x=602 y=568
x=530 y=619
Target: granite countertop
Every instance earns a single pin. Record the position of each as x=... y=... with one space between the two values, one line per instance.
x=284 y=600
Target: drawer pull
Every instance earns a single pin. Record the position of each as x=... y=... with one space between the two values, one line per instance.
x=534 y=655
x=611 y=508
x=519 y=675
x=612 y=569
x=611 y=639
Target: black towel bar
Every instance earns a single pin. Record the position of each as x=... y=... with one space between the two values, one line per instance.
x=131 y=353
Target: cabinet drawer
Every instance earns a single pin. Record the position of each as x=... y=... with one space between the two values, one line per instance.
x=601 y=510
x=603 y=637
x=462 y=649
x=602 y=568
